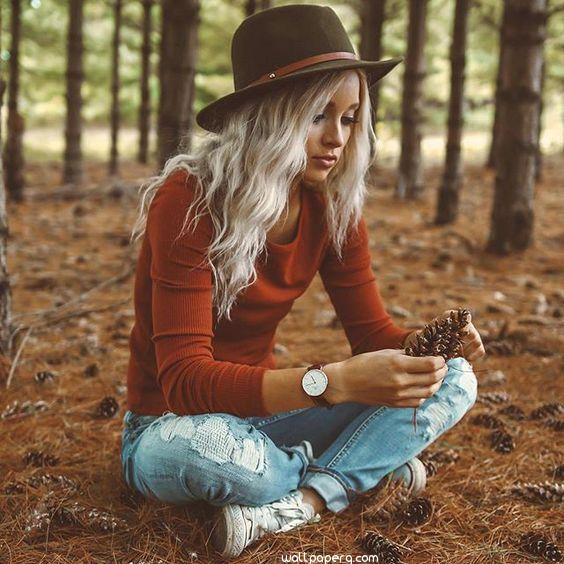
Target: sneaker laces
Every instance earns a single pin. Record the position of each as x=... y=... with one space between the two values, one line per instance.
x=282 y=515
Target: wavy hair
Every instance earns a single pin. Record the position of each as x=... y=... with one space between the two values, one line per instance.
x=246 y=171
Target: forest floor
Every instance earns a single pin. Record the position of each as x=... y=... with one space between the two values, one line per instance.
x=72 y=271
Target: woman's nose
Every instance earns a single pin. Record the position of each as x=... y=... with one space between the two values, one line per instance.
x=334 y=136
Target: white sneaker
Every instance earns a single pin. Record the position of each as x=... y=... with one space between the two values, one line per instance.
x=240 y=525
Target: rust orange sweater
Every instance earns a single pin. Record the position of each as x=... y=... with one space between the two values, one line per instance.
x=180 y=361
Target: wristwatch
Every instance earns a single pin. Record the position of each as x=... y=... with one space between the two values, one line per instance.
x=314 y=384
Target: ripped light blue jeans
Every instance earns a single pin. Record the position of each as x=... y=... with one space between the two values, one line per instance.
x=221 y=458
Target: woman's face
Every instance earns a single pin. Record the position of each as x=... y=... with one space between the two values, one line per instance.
x=330 y=130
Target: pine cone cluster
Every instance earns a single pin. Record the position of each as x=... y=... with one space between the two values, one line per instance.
x=39 y=458
x=502 y=441
x=546 y=492
x=538 y=545
x=442 y=337
x=556 y=424
x=440 y=457
x=387 y=551
x=108 y=407
x=417 y=512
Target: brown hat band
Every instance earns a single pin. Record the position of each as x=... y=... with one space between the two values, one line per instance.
x=336 y=55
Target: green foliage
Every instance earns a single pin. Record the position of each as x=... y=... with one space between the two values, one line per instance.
x=43 y=57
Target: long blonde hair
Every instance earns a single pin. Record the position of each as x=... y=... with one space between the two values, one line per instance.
x=245 y=173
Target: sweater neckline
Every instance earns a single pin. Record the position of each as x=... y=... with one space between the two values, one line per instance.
x=289 y=246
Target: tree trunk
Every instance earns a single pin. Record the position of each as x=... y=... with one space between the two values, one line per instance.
x=177 y=69
x=490 y=163
x=2 y=88
x=372 y=20
x=410 y=182
x=265 y=4
x=538 y=161
x=72 y=173
x=113 y=165
x=145 y=106
x=512 y=217
x=447 y=207
x=13 y=154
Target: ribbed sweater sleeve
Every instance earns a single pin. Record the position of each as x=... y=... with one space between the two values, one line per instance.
x=192 y=381
x=354 y=293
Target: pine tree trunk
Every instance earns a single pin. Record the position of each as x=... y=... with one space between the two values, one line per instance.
x=13 y=153
x=512 y=219
x=73 y=173
x=145 y=106
x=372 y=18
x=538 y=162
x=177 y=69
x=250 y=7
x=447 y=207
x=113 y=165
x=490 y=163
x=2 y=87
x=410 y=183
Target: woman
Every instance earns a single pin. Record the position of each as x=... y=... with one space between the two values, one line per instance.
x=274 y=195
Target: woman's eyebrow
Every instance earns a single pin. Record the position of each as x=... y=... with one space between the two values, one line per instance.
x=356 y=105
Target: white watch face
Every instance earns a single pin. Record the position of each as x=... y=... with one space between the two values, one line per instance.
x=314 y=382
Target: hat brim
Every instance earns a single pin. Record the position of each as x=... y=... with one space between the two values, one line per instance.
x=210 y=116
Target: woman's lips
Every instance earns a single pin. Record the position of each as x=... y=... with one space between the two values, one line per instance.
x=328 y=163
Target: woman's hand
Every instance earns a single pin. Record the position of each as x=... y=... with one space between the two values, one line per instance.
x=389 y=377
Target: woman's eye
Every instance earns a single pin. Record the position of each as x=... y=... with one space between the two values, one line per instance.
x=347 y=120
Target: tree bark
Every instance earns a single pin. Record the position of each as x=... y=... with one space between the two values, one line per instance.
x=13 y=154
x=538 y=161
x=447 y=207
x=410 y=183
x=115 y=111
x=177 y=70
x=72 y=172
x=490 y=163
x=512 y=218
x=372 y=22
x=145 y=106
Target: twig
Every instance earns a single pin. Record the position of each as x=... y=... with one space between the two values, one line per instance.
x=15 y=362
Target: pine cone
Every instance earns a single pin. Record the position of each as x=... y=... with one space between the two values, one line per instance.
x=440 y=456
x=442 y=337
x=417 y=512
x=108 y=407
x=503 y=347
x=502 y=441
x=91 y=370
x=547 y=410
x=558 y=472
x=538 y=545
x=43 y=376
x=494 y=397
x=514 y=412
x=556 y=424
x=542 y=492
x=488 y=421
x=387 y=509
x=387 y=551
x=431 y=468
x=89 y=518
x=39 y=458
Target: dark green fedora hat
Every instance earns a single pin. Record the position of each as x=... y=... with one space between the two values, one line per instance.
x=285 y=43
